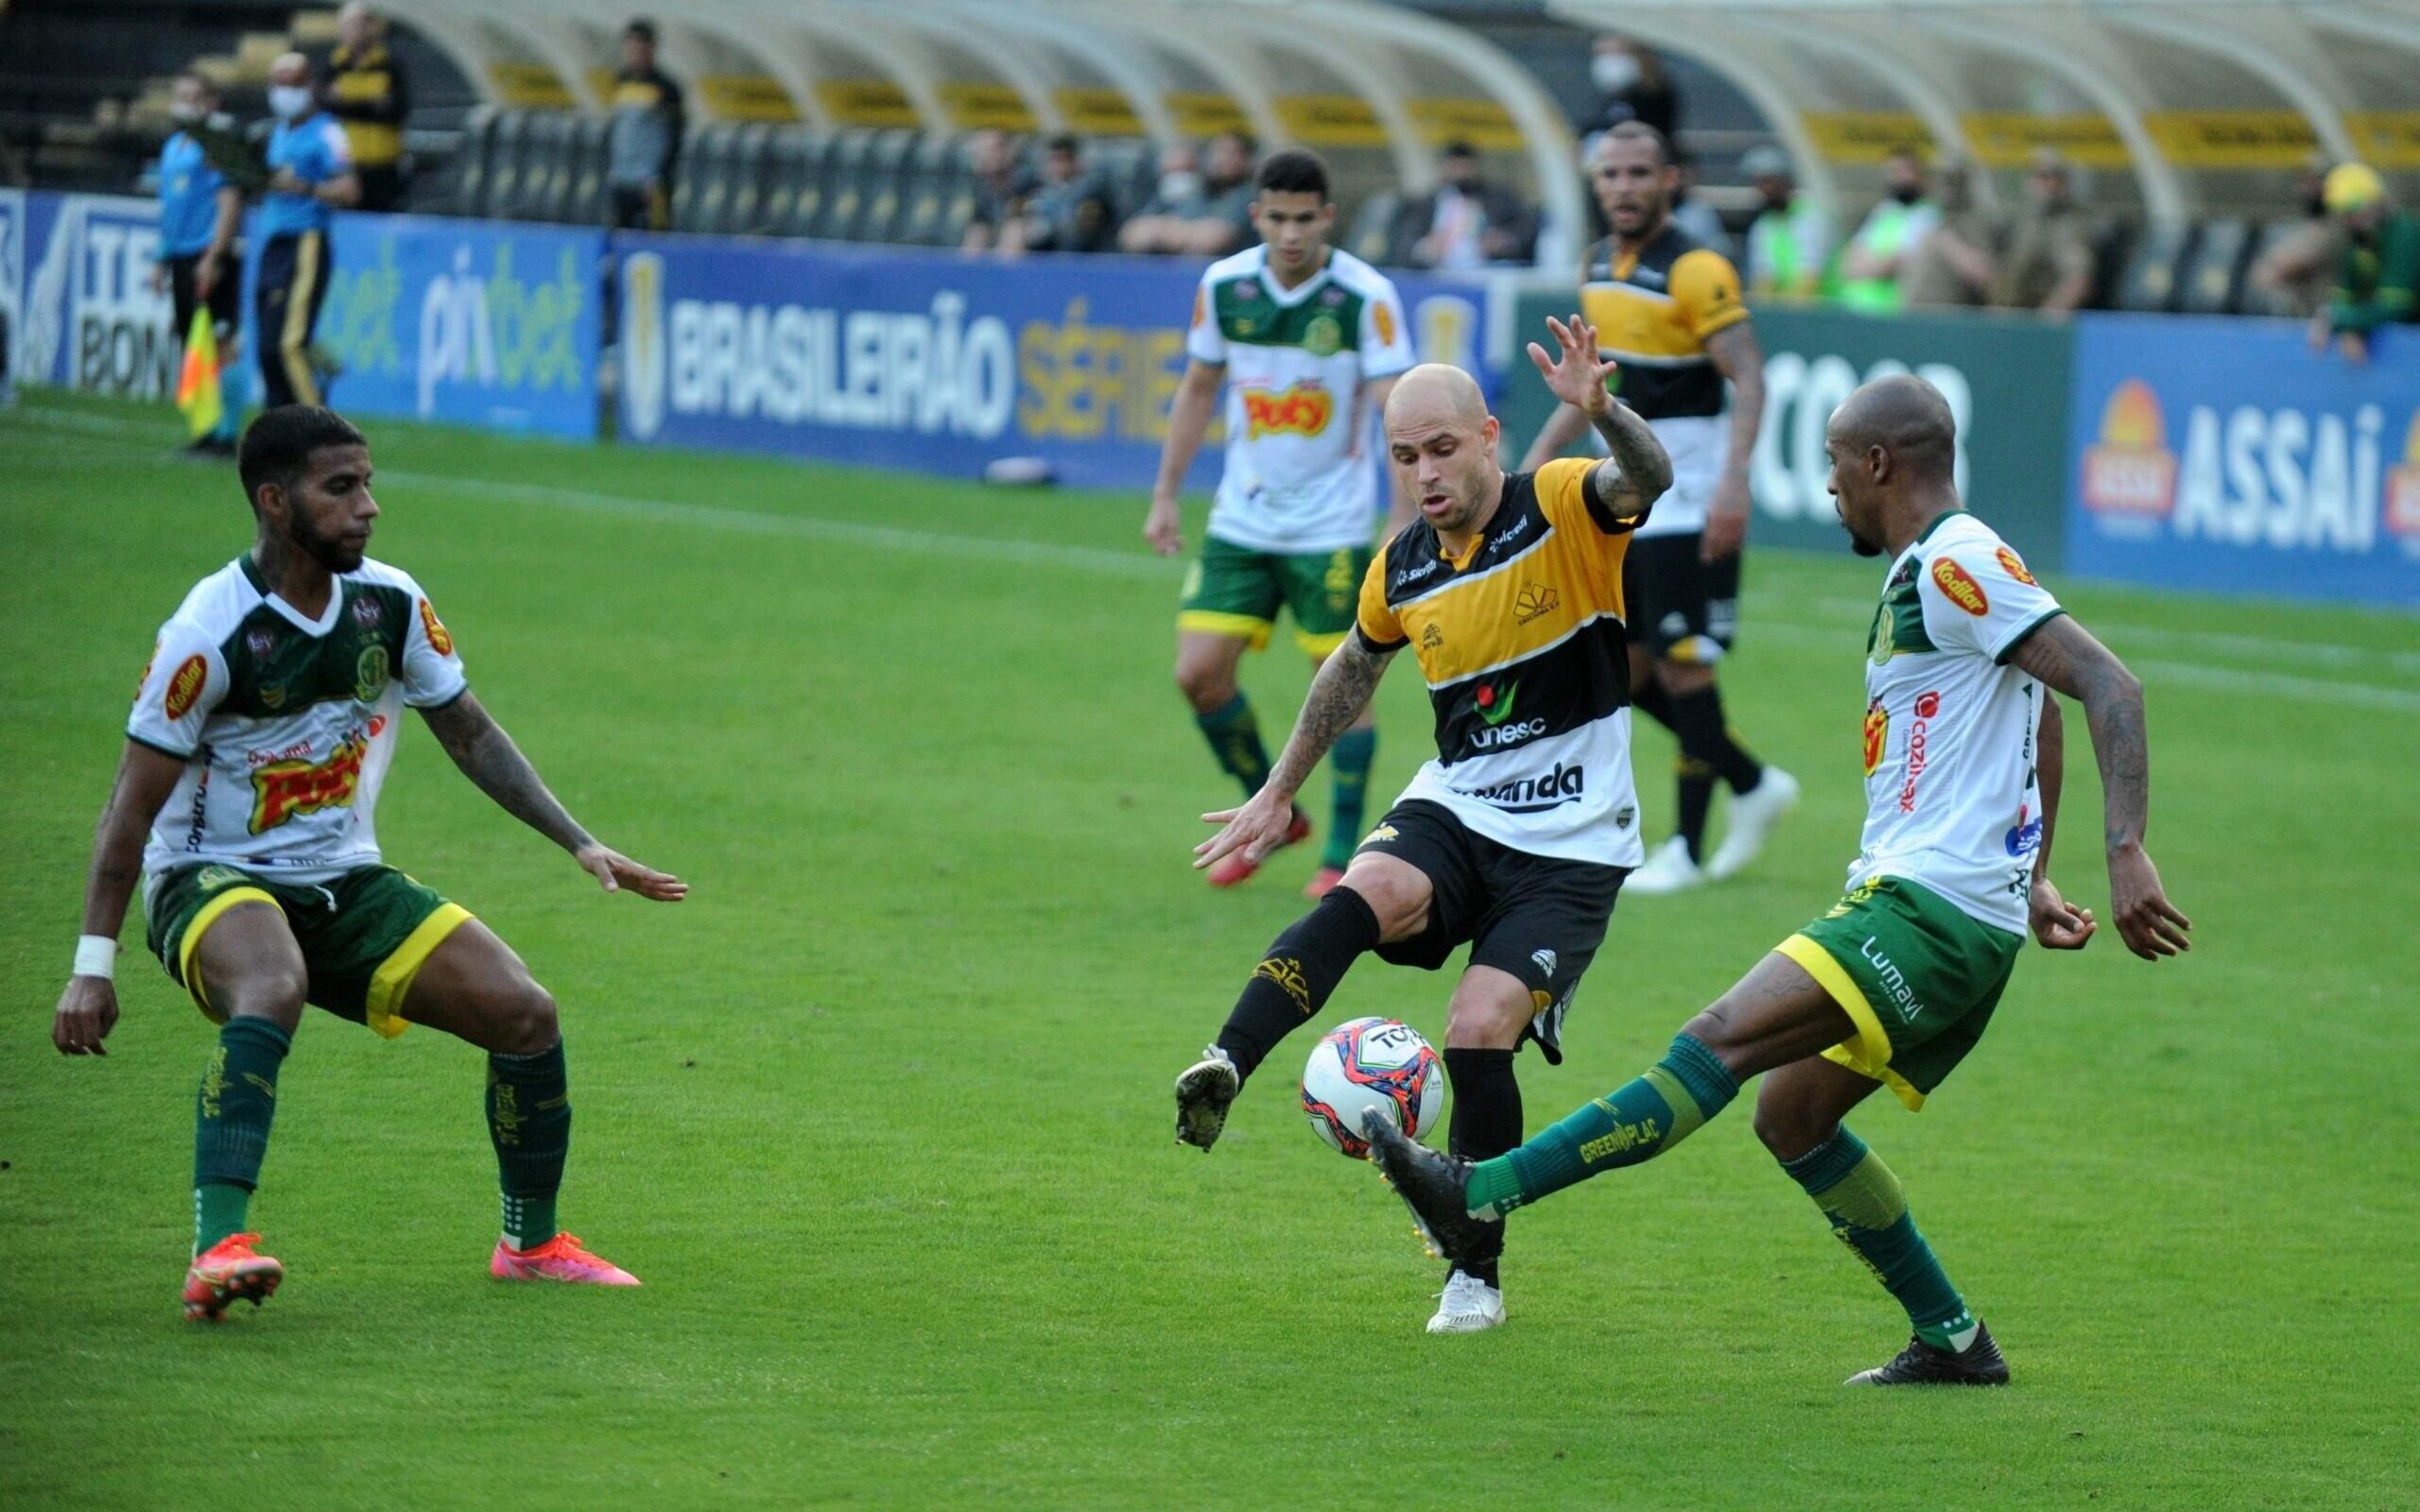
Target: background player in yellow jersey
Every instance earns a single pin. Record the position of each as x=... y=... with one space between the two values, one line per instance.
x=1667 y=311
x=1516 y=838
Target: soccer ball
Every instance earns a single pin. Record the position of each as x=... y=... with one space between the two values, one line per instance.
x=1370 y=1063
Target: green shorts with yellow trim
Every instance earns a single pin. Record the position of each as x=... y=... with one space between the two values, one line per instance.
x=1237 y=590
x=1917 y=976
x=364 y=936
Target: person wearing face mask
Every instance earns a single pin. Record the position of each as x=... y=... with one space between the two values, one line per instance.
x=1631 y=86
x=1875 y=257
x=1790 y=243
x=311 y=175
x=199 y=212
x=1181 y=194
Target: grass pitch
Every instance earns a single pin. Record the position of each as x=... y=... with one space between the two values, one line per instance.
x=881 y=1115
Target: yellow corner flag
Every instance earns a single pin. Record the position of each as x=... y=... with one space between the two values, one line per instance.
x=198 y=380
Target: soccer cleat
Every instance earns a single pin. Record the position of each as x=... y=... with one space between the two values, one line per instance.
x=1204 y=1093
x=1467 y=1305
x=1231 y=870
x=559 y=1259
x=1928 y=1365
x=1431 y=1184
x=1754 y=814
x=228 y=1270
x=1669 y=869
x=1323 y=882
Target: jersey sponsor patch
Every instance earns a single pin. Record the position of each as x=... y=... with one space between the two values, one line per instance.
x=439 y=641
x=1300 y=409
x=1958 y=585
x=1384 y=320
x=186 y=687
x=1877 y=733
x=288 y=790
x=2014 y=565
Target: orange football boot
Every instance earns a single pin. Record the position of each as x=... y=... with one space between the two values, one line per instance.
x=226 y=1271
x=1233 y=870
x=559 y=1259
x=1323 y=882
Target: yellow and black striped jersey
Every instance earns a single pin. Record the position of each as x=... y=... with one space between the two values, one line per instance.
x=1653 y=310
x=1523 y=645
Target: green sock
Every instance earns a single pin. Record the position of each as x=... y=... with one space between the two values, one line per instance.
x=1349 y=760
x=530 y=1120
x=232 y=1115
x=1862 y=1198
x=1635 y=1123
x=1234 y=735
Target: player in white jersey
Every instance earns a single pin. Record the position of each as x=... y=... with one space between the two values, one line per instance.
x=1896 y=983
x=260 y=734
x=1308 y=340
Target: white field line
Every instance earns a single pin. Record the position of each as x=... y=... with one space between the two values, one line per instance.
x=1832 y=612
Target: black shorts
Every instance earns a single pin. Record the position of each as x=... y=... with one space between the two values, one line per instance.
x=226 y=296
x=1680 y=608
x=1536 y=918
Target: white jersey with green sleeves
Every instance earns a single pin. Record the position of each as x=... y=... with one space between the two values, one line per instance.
x=1953 y=800
x=1296 y=362
x=286 y=724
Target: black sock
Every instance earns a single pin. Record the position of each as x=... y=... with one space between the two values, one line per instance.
x=1293 y=982
x=1707 y=751
x=1486 y=1123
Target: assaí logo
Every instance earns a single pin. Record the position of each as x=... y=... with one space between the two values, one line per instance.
x=2282 y=477
x=927 y=371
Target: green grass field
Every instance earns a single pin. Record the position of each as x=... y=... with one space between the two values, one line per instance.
x=881 y=1114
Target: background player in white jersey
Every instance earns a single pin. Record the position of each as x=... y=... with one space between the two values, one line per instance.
x=1308 y=341
x=260 y=737
x=1894 y=985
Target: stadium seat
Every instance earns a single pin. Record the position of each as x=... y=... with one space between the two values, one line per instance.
x=886 y=181
x=2209 y=284
x=751 y=152
x=503 y=166
x=845 y=200
x=814 y=183
x=547 y=181
x=473 y=158
x=926 y=193
x=958 y=202
x=2150 y=285
x=785 y=161
x=698 y=198
x=586 y=204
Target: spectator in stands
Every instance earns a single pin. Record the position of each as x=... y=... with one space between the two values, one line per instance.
x=1002 y=186
x=1073 y=210
x=1701 y=220
x=2377 y=278
x=1877 y=256
x=1466 y=221
x=1631 y=86
x=1179 y=198
x=2298 y=270
x=2049 y=263
x=1207 y=214
x=1790 y=243
x=644 y=141
x=311 y=177
x=199 y=213
x=1953 y=264
x=366 y=91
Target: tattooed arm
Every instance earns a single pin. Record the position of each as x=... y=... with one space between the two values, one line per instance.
x=1631 y=480
x=1339 y=692
x=2065 y=658
x=490 y=759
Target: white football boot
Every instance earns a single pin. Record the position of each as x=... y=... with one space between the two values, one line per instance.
x=1668 y=868
x=1467 y=1305
x=1754 y=814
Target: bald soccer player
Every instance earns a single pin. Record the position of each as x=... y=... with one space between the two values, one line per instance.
x=1516 y=838
x=1894 y=985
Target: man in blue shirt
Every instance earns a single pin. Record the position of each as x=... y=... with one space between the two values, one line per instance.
x=310 y=176
x=199 y=212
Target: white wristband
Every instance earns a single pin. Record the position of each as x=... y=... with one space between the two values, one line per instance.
x=97 y=956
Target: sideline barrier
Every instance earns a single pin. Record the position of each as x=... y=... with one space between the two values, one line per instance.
x=895 y=357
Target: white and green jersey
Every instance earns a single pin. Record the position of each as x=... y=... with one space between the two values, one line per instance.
x=286 y=724
x=1299 y=477
x=1952 y=799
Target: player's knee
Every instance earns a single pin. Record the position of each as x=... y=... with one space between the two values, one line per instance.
x=1209 y=689
x=1720 y=1029
x=526 y=1021
x=1477 y=1023
x=1789 y=1130
x=273 y=991
x=1399 y=903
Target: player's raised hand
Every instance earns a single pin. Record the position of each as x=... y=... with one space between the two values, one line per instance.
x=1256 y=829
x=615 y=871
x=87 y=1013
x=2058 y=924
x=1163 y=528
x=2147 y=922
x=1576 y=374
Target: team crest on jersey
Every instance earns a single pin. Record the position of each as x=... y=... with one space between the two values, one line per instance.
x=368 y=612
x=186 y=687
x=1958 y=585
x=439 y=641
x=1300 y=409
x=1533 y=600
x=370 y=674
x=1324 y=337
x=260 y=643
x=2014 y=565
x=1431 y=637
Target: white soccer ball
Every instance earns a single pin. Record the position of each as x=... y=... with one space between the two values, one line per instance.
x=1370 y=1063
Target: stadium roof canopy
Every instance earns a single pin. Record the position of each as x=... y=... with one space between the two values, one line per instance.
x=1345 y=76
x=2196 y=103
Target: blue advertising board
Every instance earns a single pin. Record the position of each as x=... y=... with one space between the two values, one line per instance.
x=889 y=357
x=2226 y=455
x=85 y=314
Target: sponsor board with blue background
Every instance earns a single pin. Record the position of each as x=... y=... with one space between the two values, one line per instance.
x=888 y=357
x=2225 y=454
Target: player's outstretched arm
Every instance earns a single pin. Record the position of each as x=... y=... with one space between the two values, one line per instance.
x=1338 y=694
x=2067 y=660
x=88 y=1009
x=1639 y=470
x=1196 y=399
x=490 y=759
x=2057 y=923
